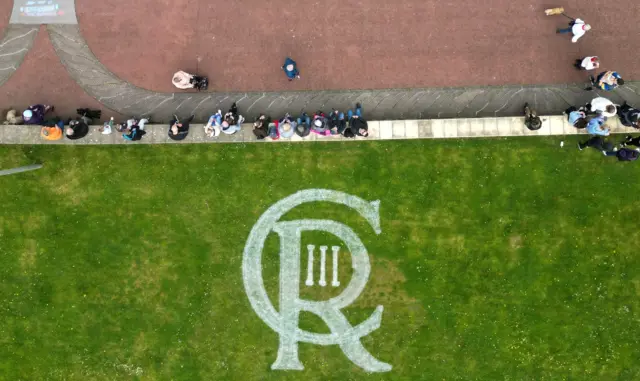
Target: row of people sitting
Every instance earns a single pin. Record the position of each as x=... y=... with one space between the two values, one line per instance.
x=335 y=124
x=592 y=116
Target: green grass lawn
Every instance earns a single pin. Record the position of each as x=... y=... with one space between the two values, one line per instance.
x=505 y=259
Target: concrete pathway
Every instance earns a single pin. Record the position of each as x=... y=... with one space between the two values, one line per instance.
x=378 y=130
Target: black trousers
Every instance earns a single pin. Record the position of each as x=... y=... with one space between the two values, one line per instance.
x=596 y=142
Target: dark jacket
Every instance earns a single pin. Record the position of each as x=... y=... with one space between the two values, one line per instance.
x=336 y=122
x=182 y=132
x=80 y=130
x=357 y=124
x=629 y=116
x=627 y=154
x=348 y=133
x=38 y=115
x=293 y=73
x=303 y=129
x=261 y=128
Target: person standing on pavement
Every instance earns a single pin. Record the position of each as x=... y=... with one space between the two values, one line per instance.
x=587 y=63
x=578 y=27
x=291 y=69
x=602 y=106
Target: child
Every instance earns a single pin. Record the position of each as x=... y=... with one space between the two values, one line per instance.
x=290 y=69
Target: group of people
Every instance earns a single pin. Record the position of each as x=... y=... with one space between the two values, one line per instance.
x=606 y=80
x=53 y=128
x=336 y=123
x=593 y=117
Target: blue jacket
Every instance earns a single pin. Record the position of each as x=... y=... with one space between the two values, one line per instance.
x=574 y=116
x=605 y=86
x=293 y=73
x=594 y=126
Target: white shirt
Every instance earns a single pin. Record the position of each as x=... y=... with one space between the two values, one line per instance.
x=588 y=64
x=600 y=105
x=577 y=30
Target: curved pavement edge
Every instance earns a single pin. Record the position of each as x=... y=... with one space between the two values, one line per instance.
x=386 y=104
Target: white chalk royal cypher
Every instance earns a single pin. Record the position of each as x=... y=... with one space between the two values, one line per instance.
x=285 y=322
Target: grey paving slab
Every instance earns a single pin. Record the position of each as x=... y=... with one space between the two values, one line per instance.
x=15 y=44
x=424 y=129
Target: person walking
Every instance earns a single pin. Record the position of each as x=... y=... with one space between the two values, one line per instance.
x=578 y=27
x=587 y=63
x=291 y=69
